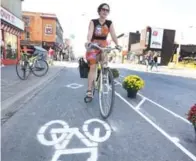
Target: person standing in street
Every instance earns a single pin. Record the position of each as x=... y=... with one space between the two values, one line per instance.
x=50 y=55
x=155 y=62
x=147 y=59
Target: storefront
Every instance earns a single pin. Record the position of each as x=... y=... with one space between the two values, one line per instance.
x=11 y=28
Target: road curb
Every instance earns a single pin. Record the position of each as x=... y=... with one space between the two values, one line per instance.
x=10 y=101
x=179 y=73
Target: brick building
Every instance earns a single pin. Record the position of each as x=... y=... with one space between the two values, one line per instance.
x=11 y=28
x=42 y=29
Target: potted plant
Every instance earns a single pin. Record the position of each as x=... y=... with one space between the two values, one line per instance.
x=132 y=84
x=192 y=116
x=115 y=73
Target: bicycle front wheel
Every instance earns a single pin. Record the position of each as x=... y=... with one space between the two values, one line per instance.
x=40 y=68
x=106 y=93
x=22 y=69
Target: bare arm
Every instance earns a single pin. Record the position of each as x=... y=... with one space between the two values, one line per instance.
x=90 y=32
x=113 y=34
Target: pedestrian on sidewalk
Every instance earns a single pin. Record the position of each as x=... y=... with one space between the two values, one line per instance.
x=50 y=56
x=147 y=59
x=2 y=52
x=154 y=61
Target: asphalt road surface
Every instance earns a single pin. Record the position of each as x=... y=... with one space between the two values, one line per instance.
x=56 y=124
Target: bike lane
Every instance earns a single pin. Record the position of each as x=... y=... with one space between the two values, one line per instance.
x=58 y=114
x=174 y=92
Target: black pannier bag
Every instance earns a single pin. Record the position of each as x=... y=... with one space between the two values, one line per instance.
x=83 y=68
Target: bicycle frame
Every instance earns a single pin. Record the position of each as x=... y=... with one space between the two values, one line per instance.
x=99 y=65
x=101 y=80
x=29 y=60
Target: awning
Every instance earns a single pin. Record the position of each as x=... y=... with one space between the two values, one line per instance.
x=10 y=29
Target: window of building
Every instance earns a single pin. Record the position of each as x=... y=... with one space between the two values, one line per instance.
x=27 y=35
x=48 y=29
x=11 y=46
x=26 y=21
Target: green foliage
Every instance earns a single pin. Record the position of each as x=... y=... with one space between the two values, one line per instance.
x=115 y=73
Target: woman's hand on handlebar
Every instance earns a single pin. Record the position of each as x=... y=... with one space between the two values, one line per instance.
x=118 y=47
x=87 y=44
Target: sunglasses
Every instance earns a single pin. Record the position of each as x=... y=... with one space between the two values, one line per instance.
x=105 y=10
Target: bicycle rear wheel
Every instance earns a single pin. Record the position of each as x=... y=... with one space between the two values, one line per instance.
x=40 y=68
x=23 y=69
x=106 y=85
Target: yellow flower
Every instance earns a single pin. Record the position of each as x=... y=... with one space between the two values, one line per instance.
x=133 y=81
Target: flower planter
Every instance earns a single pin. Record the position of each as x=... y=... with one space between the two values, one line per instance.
x=191 y=116
x=115 y=73
x=131 y=93
x=132 y=84
x=195 y=131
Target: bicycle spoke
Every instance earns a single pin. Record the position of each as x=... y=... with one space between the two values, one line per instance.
x=40 y=68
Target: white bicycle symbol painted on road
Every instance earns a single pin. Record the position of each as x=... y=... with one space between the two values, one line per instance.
x=61 y=137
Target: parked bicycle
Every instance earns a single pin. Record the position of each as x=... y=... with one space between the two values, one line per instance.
x=104 y=83
x=31 y=63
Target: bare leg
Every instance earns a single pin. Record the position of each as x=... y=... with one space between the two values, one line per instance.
x=146 y=65
x=156 y=65
x=152 y=65
x=91 y=76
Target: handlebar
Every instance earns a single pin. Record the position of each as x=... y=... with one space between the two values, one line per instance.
x=106 y=49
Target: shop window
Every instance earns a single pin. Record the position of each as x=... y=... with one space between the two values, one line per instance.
x=11 y=46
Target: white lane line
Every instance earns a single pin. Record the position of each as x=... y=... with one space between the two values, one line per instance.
x=141 y=102
x=172 y=139
x=169 y=111
x=160 y=106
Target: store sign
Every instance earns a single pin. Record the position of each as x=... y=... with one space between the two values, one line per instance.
x=11 y=19
x=156 y=38
x=48 y=29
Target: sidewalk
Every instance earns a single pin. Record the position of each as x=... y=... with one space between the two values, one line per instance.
x=13 y=89
x=182 y=72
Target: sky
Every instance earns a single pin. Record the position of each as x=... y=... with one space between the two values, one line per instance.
x=127 y=15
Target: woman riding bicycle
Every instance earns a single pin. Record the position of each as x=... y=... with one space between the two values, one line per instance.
x=97 y=33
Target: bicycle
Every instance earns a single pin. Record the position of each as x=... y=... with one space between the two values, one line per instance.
x=31 y=63
x=103 y=78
